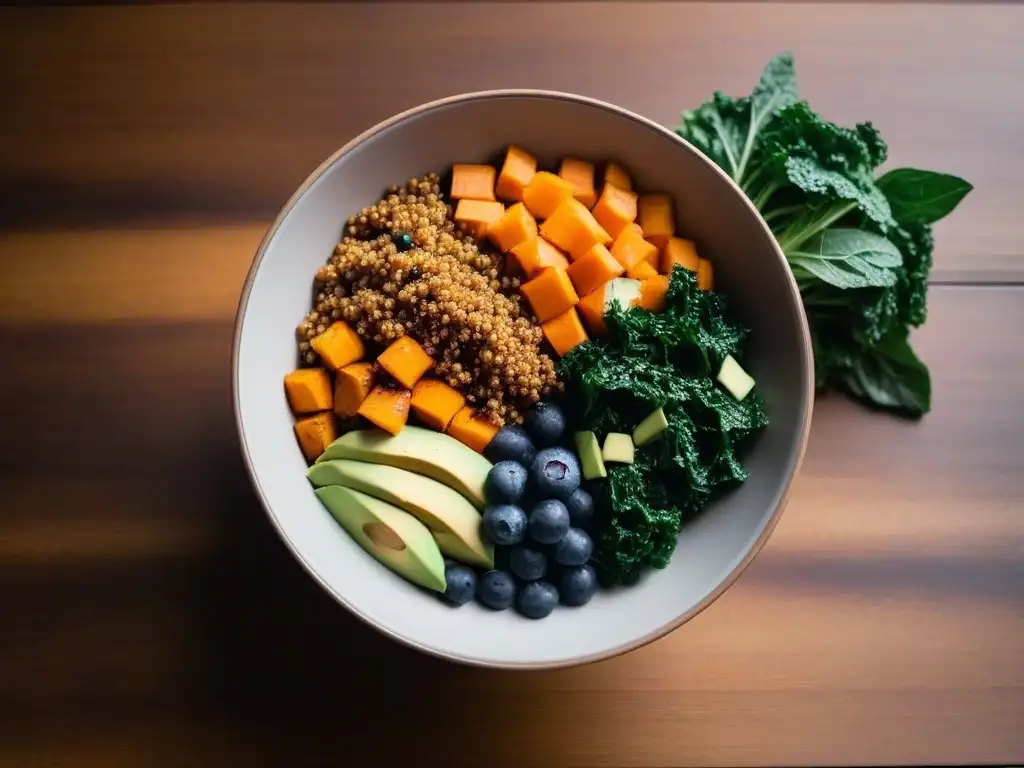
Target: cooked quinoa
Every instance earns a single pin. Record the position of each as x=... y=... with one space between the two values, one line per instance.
x=403 y=267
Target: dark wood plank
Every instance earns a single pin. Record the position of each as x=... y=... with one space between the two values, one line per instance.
x=153 y=618
x=217 y=112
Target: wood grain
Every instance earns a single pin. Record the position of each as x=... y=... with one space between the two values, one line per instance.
x=217 y=112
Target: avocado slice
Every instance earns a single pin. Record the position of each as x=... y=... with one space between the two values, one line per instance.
x=395 y=538
x=624 y=290
x=653 y=425
x=732 y=376
x=418 y=450
x=589 y=451
x=618 y=447
x=452 y=520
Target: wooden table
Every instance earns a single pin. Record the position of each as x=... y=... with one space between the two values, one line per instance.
x=150 y=617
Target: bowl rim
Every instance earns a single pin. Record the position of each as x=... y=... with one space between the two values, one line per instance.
x=684 y=145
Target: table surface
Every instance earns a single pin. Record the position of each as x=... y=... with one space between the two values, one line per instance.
x=150 y=615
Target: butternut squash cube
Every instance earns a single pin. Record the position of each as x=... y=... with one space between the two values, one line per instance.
x=630 y=248
x=472 y=429
x=475 y=182
x=536 y=254
x=436 y=403
x=308 y=390
x=616 y=174
x=615 y=209
x=580 y=174
x=653 y=291
x=477 y=215
x=515 y=225
x=643 y=270
x=656 y=218
x=351 y=387
x=545 y=193
x=516 y=172
x=315 y=433
x=574 y=229
x=705 y=276
x=387 y=408
x=594 y=268
x=338 y=346
x=406 y=361
x=591 y=309
x=681 y=252
x=564 y=332
x=550 y=293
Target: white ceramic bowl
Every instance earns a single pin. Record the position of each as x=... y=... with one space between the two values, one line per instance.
x=712 y=551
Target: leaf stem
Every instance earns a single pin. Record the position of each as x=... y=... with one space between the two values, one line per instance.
x=792 y=243
x=784 y=211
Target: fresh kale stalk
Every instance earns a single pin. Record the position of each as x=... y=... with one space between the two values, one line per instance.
x=859 y=243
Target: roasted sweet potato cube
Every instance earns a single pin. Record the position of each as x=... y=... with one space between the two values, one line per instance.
x=315 y=433
x=515 y=226
x=580 y=174
x=574 y=229
x=516 y=172
x=705 y=276
x=656 y=218
x=550 y=293
x=564 y=332
x=351 y=386
x=593 y=269
x=472 y=429
x=630 y=248
x=475 y=182
x=338 y=346
x=308 y=390
x=387 y=408
x=436 y=403
x=545 y=193
x=615 y=209
x=406 y=361
x=681 y=252
x=478 y=215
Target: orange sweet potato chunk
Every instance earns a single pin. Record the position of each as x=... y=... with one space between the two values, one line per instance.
x=615 y=209
x=515 y=225
x=475 y=182
x=545 y=193
x=591 y=309
x=471 y=429
x=550 y=293
x=338 y=346
x=574 y=229
x=387 y=408
x=656 y=218
x=406 y=361
x=536 y=254
x=705 y=276
x=351 y=387
x=315 y=433
x=642 y=270
x=516 y=172
x=580 y=174
x=564 y=332
x=630 y=248
x=681 y=252
x=308 y=390
x=616 y=174
x=478 y=215
x=652 y=293
x=436 y=403
x=593 y=269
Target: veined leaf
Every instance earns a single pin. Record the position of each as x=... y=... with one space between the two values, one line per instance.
x=922 y=197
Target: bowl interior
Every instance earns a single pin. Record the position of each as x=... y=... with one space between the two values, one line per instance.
x=708 y=209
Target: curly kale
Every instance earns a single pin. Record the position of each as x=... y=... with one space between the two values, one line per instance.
x=860 y=246
x=664 y=360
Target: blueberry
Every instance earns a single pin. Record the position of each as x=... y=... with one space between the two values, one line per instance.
x=581 y=508
x=402 y=240
x=506 y=482
x=575 y=548
x=461 y=583
x=549 y=521
x=546 y=423
x=578 y=585
x=511 y=444
x=527 y=563
x=537 y=599
x=555 y=473
x=504 y=524
x=496 y=589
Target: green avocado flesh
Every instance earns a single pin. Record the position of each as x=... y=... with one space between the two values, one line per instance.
x=395 y=538
x=618 y=447
x=452 y=520
x=653 y=425
x=418 y=450
x=589 y=451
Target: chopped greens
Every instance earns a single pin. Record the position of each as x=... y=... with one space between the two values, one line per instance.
x=859 y=245
x=664 y=360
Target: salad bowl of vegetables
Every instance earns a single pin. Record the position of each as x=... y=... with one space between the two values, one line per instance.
x=563 y=370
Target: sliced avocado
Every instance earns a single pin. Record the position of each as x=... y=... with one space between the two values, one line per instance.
x=734 y=378
x=618 y=447
x=395 y=538
x=452 y=520
x=418 y=450
x=651 y=427
x=624 y=290
x=589 y=451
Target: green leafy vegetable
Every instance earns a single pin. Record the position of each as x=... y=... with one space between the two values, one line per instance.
x=859 y=245
x=666 y=360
